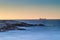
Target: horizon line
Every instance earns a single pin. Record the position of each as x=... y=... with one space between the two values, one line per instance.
x=31 y=19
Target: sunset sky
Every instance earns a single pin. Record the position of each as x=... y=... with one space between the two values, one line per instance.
x=29 y=9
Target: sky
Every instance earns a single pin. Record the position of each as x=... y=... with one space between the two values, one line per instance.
x=29 y=9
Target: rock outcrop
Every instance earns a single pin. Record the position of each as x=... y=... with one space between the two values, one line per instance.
x=26 y=24
x=5 y=26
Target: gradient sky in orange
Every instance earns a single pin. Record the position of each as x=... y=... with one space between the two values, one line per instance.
x=28 y=10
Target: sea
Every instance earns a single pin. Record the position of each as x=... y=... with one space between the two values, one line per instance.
x=51 y=31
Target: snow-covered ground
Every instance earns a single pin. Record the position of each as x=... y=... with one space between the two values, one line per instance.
x=32 y=33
